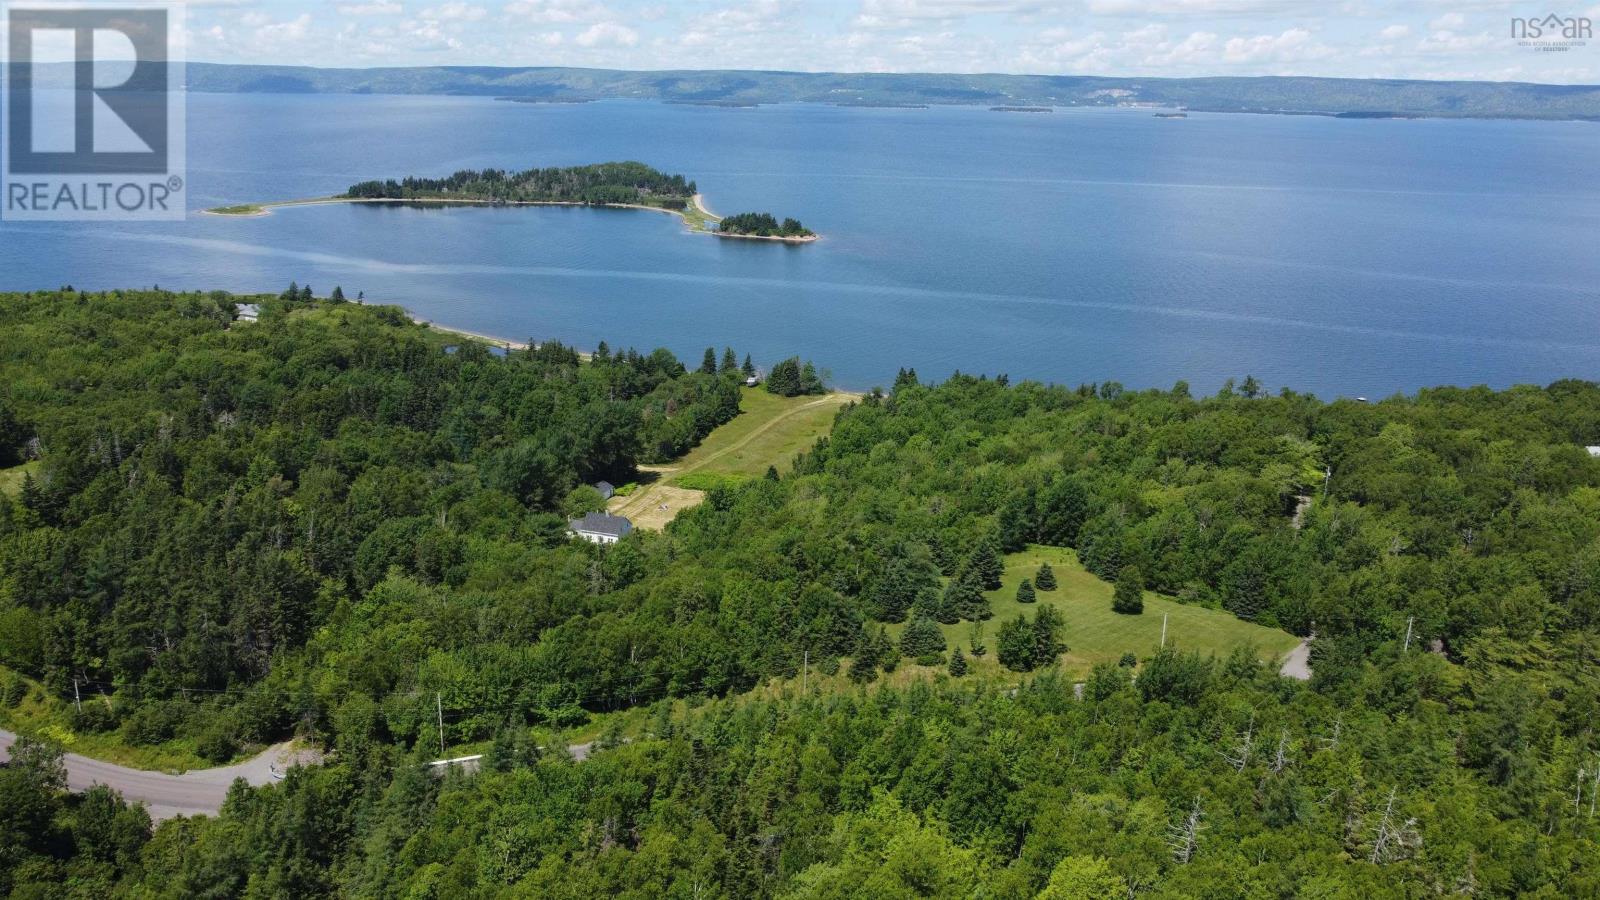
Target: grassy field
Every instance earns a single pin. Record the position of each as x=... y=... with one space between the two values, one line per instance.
x=768 y=431
x=11 y=479
x=1095 y=634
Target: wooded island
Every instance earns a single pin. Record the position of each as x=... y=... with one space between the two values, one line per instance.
x=631 y=185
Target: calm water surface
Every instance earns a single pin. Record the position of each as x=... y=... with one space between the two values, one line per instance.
x=1341 y=257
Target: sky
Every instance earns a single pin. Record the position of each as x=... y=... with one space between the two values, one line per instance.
x=1459 y=39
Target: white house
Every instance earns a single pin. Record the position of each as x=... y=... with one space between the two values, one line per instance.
x=600 y=528
x=1593 y=451
x=249 y=312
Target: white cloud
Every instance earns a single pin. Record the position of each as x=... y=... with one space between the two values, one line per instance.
x=379 y=8
x=1395 y=32
x=556 y=12
x=1293 y=45
x=607 y=34
x=454 y=12
x=1448 y=22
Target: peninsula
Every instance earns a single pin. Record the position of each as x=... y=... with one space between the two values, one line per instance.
x=626 y=185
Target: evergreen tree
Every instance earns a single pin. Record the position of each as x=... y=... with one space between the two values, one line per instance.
x=292 y=294
x=1025 y=592
x=730 y=363
x=810 y=381
x=708 y=363
x=908 y=581
x=749 y=368
x=784 y=379
x=1019 y=520
x=512 y=749
x=338 y=294
x=958 y=664
x=964 y=599
x=904 y=378
x=986 y=565
x=975 y=640
x=1128 y=598
x=11 y=437
x=1047 y=643
x=1046 y=579
x=306 y=296
x=922 y=640
x=772 y=473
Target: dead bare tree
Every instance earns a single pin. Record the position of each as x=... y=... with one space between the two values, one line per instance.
x=1239 y=756
x=1393 y=841
x=1280 y=757
x=1332 y=741
x=1183 y=838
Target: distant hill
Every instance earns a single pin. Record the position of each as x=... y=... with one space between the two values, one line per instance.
x=1321 y=96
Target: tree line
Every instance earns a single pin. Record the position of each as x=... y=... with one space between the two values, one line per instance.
x=600 y=184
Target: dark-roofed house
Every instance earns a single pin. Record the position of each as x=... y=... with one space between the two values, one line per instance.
x=600 y=528
x=607 y=489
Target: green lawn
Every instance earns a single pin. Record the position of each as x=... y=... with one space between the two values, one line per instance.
x=11 y=479
x=1095 y=634
x=769 y=430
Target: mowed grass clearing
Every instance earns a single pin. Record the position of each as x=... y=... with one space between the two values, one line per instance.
x=11 y=479
x=1095 y=634
x=768 y=431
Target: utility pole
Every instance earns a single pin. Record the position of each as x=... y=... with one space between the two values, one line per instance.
x=438 y=704
x=1163 y=630
x=1407 y=647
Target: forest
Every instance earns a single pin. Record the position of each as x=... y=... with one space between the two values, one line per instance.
x=763 y=225
x=326 y=522
x=600 y=185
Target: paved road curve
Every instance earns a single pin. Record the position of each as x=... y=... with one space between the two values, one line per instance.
x=201 y=791
x=1298 y=663
x=197 y=792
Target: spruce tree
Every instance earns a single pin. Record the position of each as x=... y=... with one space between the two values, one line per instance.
x=922 y=640
x=985 y=563
x=730 y=363
x=1129 y=596
x=708 y=364
x=1047 y=643
x=958 y=664
x=749 y=368
x=1046 y=579
x=975 y=640
x=964 y=598
x=1025 y=592
x=338 y=294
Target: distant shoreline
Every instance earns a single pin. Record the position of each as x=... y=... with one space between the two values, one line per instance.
x=695 y=214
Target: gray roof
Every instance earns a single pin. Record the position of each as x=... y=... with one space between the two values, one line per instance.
x=601 y=523
x=603 y=486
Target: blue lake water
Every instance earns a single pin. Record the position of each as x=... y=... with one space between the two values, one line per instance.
x=1336 y=256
